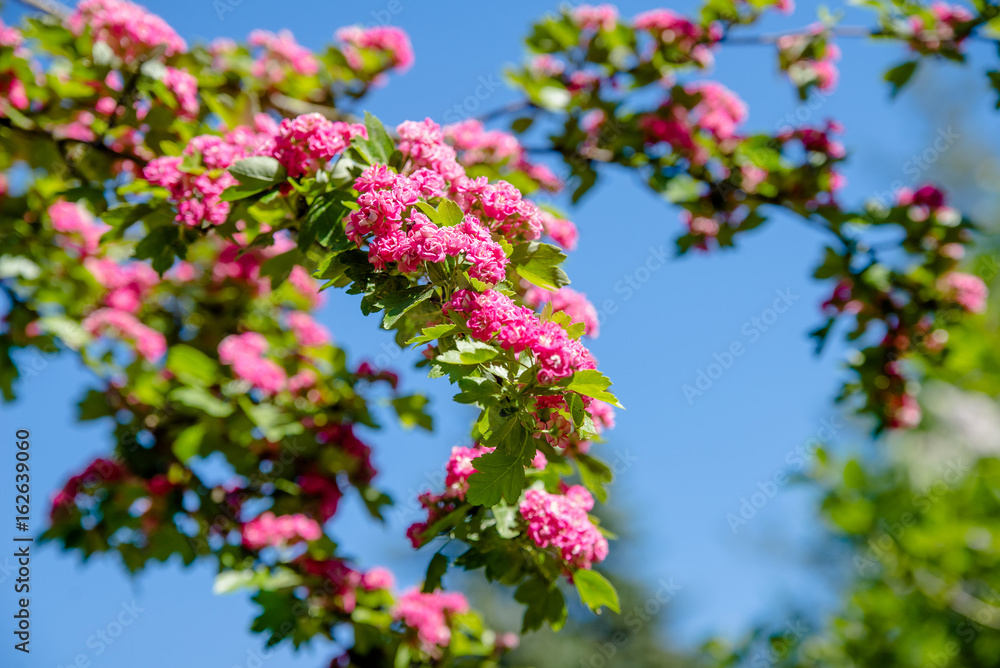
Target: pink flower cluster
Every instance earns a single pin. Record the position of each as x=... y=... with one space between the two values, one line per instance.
x=673 y=30
x=12 y=90
x=307 y=331
x=197 y=196
x=388 y=40
x=269 y=530
x=428 y=614
x=128 y=29
x=476 y=145
x=245 y=354
x=149 y=343
x=82 y=232
x=561 y=521
x=126 y=284
x=325 y=489
x=551 y=415
x=278 y=54
x=968 y=291
x=569 y=301
x=927 y=201
x=459 y=468
x=599 y=17
x=492 y=315
x=929 y=37
x=403 y=235
x=185 y=88
x=422 y=142
x=803 y=71
x=718 y=111
x=563 y=232
x=10 y=37
x=97 y=472
x=304 y=144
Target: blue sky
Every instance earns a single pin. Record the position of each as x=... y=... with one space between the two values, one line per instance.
x=683 y=466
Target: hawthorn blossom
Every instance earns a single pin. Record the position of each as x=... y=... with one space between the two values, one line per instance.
x=388 y=40
x=428 y=614
x=149 y=343
x=78 y=227
x=130 y=30
x=569 y=301
x=493 y=316
x=304 y=144
x=244 y=353
x=968 y=291
x=269 y=530
x=561 y=521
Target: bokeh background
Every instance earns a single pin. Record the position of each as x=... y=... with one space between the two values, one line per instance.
x=682 y=466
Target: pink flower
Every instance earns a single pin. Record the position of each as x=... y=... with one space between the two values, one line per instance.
x=493 y=316
x=968 y=291
x=561 y=521
x=307 y=331
x=127 y=284
x=428 y=614
x=378 y=578
x=599 y=17
x=563 y=232
x=149 y=343
x=268 y=530
x=306 y=143
x=244 y=353
x=128 y=29
x=79 y=225
x=573 y=303
x=326 y=489
x=903 y=412
x=279 y=53
x=197 y=196
x=460 y=467
x=388 y=40
x=185 y=89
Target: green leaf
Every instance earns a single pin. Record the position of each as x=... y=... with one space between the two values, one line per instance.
x=543 y=601
x=191 y=366
x=538 y=264
x=379 y=146
x=435 y=571
x=431 y=333
x=411 y=412
x=449 y=213
x=398 y=303
x=595 y=590
x=469 y=352
x=576 y=408
x=93 y=406
x=259 y=171
x=595 y=475
x=188 y=442
x=323 y=222
x=592 y=383
x=506 y=520
x=161 y=245
x=500 y=474
x=197 y=397
x=279 y=267
x=898 y=76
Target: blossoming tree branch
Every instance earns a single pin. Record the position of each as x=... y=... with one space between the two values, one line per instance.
x=172 y=215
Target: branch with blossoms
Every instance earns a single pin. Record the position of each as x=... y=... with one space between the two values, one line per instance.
x=188 y=291
x=587 y=89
